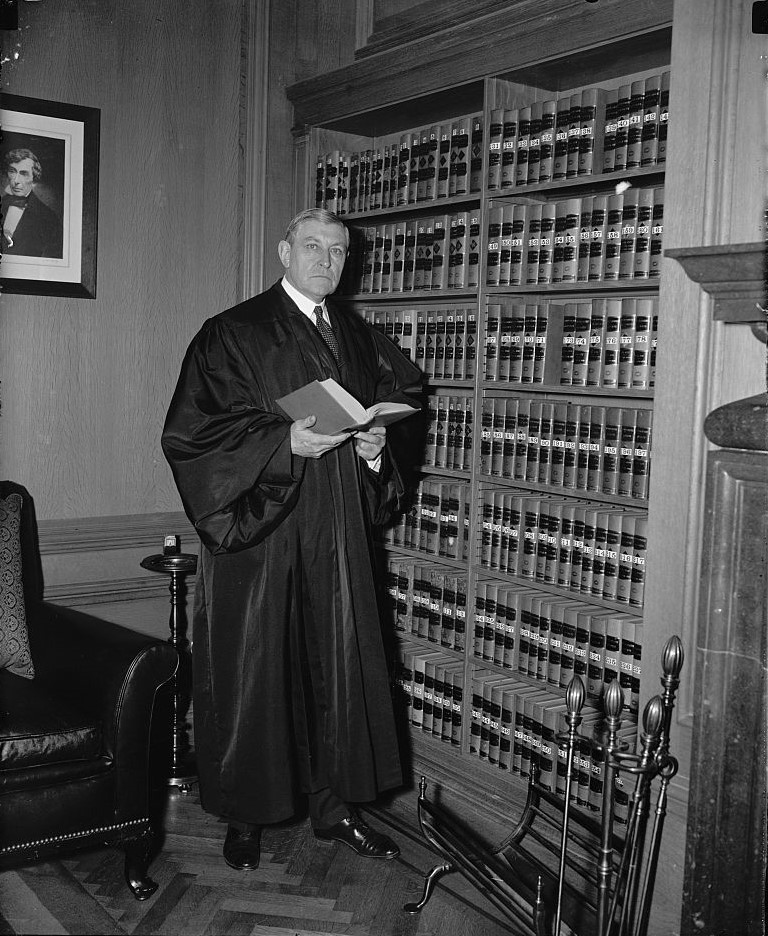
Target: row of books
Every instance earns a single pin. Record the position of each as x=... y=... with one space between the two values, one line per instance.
x=430 y=687
x=589 y=131
x=442 y=342
x=449 y=432
x=515 y=727
x=594 y=238
x=437 y=521
x=606 y=342
x=551 y=639
x=593 y=550
x=599 y=449
x=418 y=165
x=427 y=600
x=440 y=252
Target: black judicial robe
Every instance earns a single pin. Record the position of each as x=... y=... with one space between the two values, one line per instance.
x=290 y=683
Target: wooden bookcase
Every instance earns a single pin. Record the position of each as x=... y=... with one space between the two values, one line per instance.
x=378 y=106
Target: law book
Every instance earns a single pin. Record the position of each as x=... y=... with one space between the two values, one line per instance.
x=547 y=141
x=596 y=340
x=534 y=144
x=448 y=610
x=635 y=128
x=538 y=655
x=489 y=724
x=567 y=346
x=532 y=239
x=661 y=152
x=320 y=180
x=455 y=430
x=581 y=647
x=495 y=141
x=476 y=712
x=439 y=268
x=628 y=236
x=641 y=261
x=649 y=140
x=523 y=139
x=499 y=625
x=509 y=148
x=387 y=248
x=531 y=509
x=459 y=173
x=611 y=559
x=499 y=416
x=596 y=661
x=533 y=446
x=622 y=128
x=505 y=245
x=641 y=348
x=558 y=243
x=565 y=544
x=529 y=343
x=442 y=185
x=476 y=151
x=581 y=337
x=610 y=128
x=413 y=166
x=642 y=454
x=459 y=344
x=428 y=170
x=596 y=440
x=403 y=168
x=441 y=425
x=378 y=252
x=365 y=180
x=473 y=250
x=512 y=521
x=591 y=130
x=523 y=740
x=337 y=410
x=509 y=429
x=657 y=231
x=557 y=445
x=438 y=698
x=545 y=442
x=560 y=155
x=612 y=237
x=574 y=137
x=342 y=200
x=377 y=179
x=552 y=715
x=636 y=665
x=626 y=342
x=611 y=343
x=610 y=450
x=449 y=345
x=435 y=615
x=506 y=728
x=407 y=330
x=493 y=248
x=570 y=446
x=489 y=622
x=546 y=243
x=626 y=452
x=503 y=344
x=654 y=343
x=626 y=553
x=494 y=731
x=422 y=272
x=459 y=255
x=626 y=660
x=486 y=435
x=582 y=450
x=598 y=223
x=409 y=255
x=601 y=540
x=386 y=175
x=330 y=199
x=585 y=238
x=456 y=708
x=491 y=342
x=470 y=345
x=518 y=247
x=588 y=551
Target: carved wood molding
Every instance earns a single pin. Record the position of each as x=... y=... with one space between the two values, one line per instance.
x=95 y=534
x=733 y=274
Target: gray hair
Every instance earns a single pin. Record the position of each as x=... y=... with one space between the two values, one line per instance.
x=315 y=214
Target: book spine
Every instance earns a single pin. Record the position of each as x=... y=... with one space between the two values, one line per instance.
x=473 y=251
x=534 y=144
x=641 y=261
x=591 y=130
x=635 y=128
x=495 y=143
x=509 y=148
x=629 y=233
x=518 y=246
x=459 y=173
x=546 y=243
x=657 y=231
x=622 y=128
x=611 y=126
x=493 y=249
x=649 y=141
x=661 y=152
x=403 y=168
x=413 y=166
x=596 y=269
x=476 y=151
x=574 y=137
x=523 y=139
x=547 y=140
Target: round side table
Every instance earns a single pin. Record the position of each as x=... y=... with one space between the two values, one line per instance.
x=183 y=772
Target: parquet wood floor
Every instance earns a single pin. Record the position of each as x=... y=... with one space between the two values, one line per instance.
x=303 y=888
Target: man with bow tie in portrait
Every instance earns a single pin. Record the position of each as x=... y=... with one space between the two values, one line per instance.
x=30 y=227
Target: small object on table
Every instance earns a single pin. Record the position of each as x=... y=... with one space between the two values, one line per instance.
x=172 y=561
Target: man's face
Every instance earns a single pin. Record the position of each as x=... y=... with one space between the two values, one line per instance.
x=21 y=180
x=313 y=263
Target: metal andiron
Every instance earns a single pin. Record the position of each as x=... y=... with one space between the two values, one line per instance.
x=182 y=771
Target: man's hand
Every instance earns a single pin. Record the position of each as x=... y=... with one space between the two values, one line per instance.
x=369 y=442
x=311 y=444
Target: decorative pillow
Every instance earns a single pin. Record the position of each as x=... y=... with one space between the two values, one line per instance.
x=14 y=640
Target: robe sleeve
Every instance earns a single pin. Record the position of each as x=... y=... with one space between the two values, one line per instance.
x=231 y=458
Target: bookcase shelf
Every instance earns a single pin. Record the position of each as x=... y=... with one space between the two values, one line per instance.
x=583 y=52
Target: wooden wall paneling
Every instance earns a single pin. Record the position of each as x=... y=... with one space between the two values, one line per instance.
x=86 y=383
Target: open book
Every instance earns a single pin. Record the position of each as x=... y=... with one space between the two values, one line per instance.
x=337 y=410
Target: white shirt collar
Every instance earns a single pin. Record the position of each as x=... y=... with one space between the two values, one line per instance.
x=306 y=304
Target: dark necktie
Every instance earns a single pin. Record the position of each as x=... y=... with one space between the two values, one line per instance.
x=17 y=201
x=326 y=331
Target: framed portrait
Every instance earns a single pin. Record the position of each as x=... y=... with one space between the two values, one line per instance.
x=49 y=172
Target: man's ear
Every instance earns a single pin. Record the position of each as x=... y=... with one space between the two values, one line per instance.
x=284 y=252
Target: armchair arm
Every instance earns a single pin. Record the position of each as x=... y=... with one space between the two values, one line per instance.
x=110 y=673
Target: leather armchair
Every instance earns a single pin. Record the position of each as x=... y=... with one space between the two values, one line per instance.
x=75 y=739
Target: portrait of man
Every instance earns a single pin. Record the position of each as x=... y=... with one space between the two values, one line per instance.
x=30 y=227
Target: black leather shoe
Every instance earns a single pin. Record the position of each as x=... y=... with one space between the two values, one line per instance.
x=360 y=837
x=242 y=850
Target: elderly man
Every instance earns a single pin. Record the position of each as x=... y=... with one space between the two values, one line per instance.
x=30 y=228
x=290 y=681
